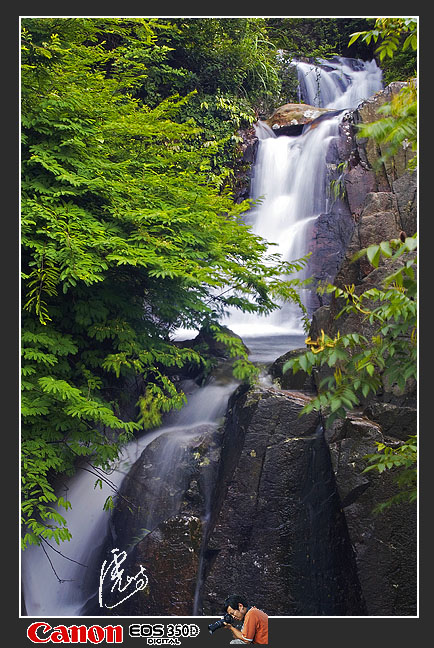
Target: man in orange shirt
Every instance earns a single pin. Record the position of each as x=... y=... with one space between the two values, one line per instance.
x=255 y=626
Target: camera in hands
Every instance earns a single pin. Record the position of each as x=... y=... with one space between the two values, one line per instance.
x=220 y=623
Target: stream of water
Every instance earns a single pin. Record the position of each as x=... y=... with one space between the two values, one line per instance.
x=289 y=178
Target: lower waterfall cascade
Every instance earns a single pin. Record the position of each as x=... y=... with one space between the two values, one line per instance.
x=289 y=187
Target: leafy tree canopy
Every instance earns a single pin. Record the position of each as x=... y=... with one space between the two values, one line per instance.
x=127 y=234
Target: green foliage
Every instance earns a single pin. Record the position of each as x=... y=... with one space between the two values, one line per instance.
x=396 y=46
x=360 y=364
x=229 y=63
x=389 y=32
x=227 y=55
x=219 y=116
x=402 y=457
x=311 y=37
x=336 y=188
x=127 y=234
x=243 y=369
x=355 y=366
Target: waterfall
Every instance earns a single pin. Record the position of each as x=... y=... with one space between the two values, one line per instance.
x=290 y=189
x=290 y=179
x=290 y=183
x=338 y=83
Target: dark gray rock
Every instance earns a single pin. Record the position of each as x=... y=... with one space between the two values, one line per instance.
x=174 y=474
x=246 y=153
x=405 y=190
x=385 y=543
x=330 y=237
x=170 y=556
x=395 y=421
x=359 y=181
x=280 y=535
x=160 y=519
x=321 y=321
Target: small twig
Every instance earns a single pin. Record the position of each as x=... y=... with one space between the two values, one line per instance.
x=61 y=580
x=63 y=555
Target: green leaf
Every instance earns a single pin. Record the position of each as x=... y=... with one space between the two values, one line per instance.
x=386 y=248
x=373 y=254
x=355 y=36
x=370 y=369
x=304 y=364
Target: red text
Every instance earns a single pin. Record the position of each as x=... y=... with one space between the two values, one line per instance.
x=42 y=632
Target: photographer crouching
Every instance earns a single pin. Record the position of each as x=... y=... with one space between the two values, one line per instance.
x=255 y=622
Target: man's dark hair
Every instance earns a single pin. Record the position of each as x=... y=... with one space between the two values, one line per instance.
x=233 y=601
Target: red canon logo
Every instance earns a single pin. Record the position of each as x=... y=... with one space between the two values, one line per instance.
x=42 y=632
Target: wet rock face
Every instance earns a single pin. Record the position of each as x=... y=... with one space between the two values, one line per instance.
x=247 y=149
x=384 y=543
x=274 y=529
x=330 y=237
x=280 y=536
x=174 y=474
x=289 y=517
x=364 y=176
x=170 y=556
x=396 y=421
x=160 y=520
x=299 y=381
x=370 y=151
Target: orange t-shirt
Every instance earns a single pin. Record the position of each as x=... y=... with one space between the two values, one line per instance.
x=255 y=628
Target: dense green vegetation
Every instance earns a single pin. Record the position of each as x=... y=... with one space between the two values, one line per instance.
x=129 y=224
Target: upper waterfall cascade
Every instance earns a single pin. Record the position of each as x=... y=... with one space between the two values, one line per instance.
x=290 y=176
x=339 y=83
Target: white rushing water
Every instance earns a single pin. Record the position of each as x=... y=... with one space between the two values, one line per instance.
x=339 y=83
x=290 y=180
x=290 y=175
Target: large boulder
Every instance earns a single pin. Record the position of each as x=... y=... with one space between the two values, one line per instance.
x=288 y=380
x=279 y=535
x=291 y=117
